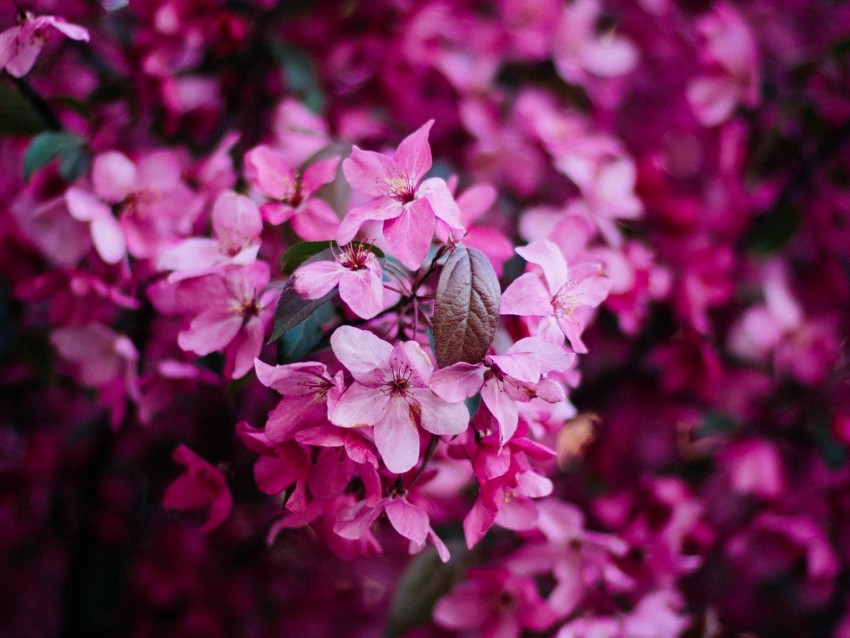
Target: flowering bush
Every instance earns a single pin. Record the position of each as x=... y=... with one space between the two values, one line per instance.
x=425 y=318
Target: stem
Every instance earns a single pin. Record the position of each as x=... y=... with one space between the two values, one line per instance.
x=39 y=104
x=429 y=453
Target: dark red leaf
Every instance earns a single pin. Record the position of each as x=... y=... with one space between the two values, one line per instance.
x=466 y=310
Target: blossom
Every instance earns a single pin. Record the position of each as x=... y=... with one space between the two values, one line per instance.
x=20 y=45
x=495 y=602
x=391 y=393
x=200 y=485
x=307 y=390
x=731 y=62
x=293 y=191
x=407 y=206
x=505 y=379
x=236 y=225
x=231 y=310
x=560 y=295
x=356 y=271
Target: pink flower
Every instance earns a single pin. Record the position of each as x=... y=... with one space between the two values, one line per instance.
x=407 y=208
x=293 y=192
x=20 y=45
x=232 y=310
x=496 y=603
x=200 y=486
x=155 y=205
x=578 y=50
x=355 y=270
x=731 y=61
x=391 y=393
x=237 y=226
x=409 y=520
x=505 y=379
x=307 y=390
x=560 y=295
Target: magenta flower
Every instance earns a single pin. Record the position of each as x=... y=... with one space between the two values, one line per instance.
x=20 y=45
x=391 y=393
x=200 y=486
x=293 y=192
x=355 y=270
x=558 y=294
x=407 y=208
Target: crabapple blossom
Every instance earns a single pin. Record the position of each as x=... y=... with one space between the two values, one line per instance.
x=391 y=392
x=292 y=192
x=560 y=295
x=407 y=205
x=355 y=270
x=21 y=44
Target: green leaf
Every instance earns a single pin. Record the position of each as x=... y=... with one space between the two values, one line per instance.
x=75 y=164
x=46 y=147
x=771 y=231
x=426 y=580
x=298 y=342
x=300 y=253
x=17 y=115
x=299 y=75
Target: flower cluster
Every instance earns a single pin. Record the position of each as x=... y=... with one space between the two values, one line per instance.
x=436 y=318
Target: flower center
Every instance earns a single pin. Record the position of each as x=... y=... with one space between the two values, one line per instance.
x=402 y=188
x=354 y=256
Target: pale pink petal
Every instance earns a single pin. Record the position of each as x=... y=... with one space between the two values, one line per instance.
x=438 y=416
x=712 y=98
x=475 y=201
x=114 y=176
x=193 y=254
x=291 y=415
x=210 y=331
x=379 y=209
x=362 y=353
x=609 y=56
x=413 y=155
x=526 y=296
x=368 y=172
x=503 y=408
x=359 y=406
x=245 y=347
x=396 y=437
x=458 y=382
x=407 y=519
x=9 y=46
x=363 y=290
x=73 y=31
x=84 y=206
x=549 y=257
x=270 y=173
x=442 y=201
x=277 y=212
x=23 y=57
x=356 y=522
x=410 y=234
x=315 y=221
x=236 y=222
x=317 y=175
x=317 y=278
x=108 y=238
